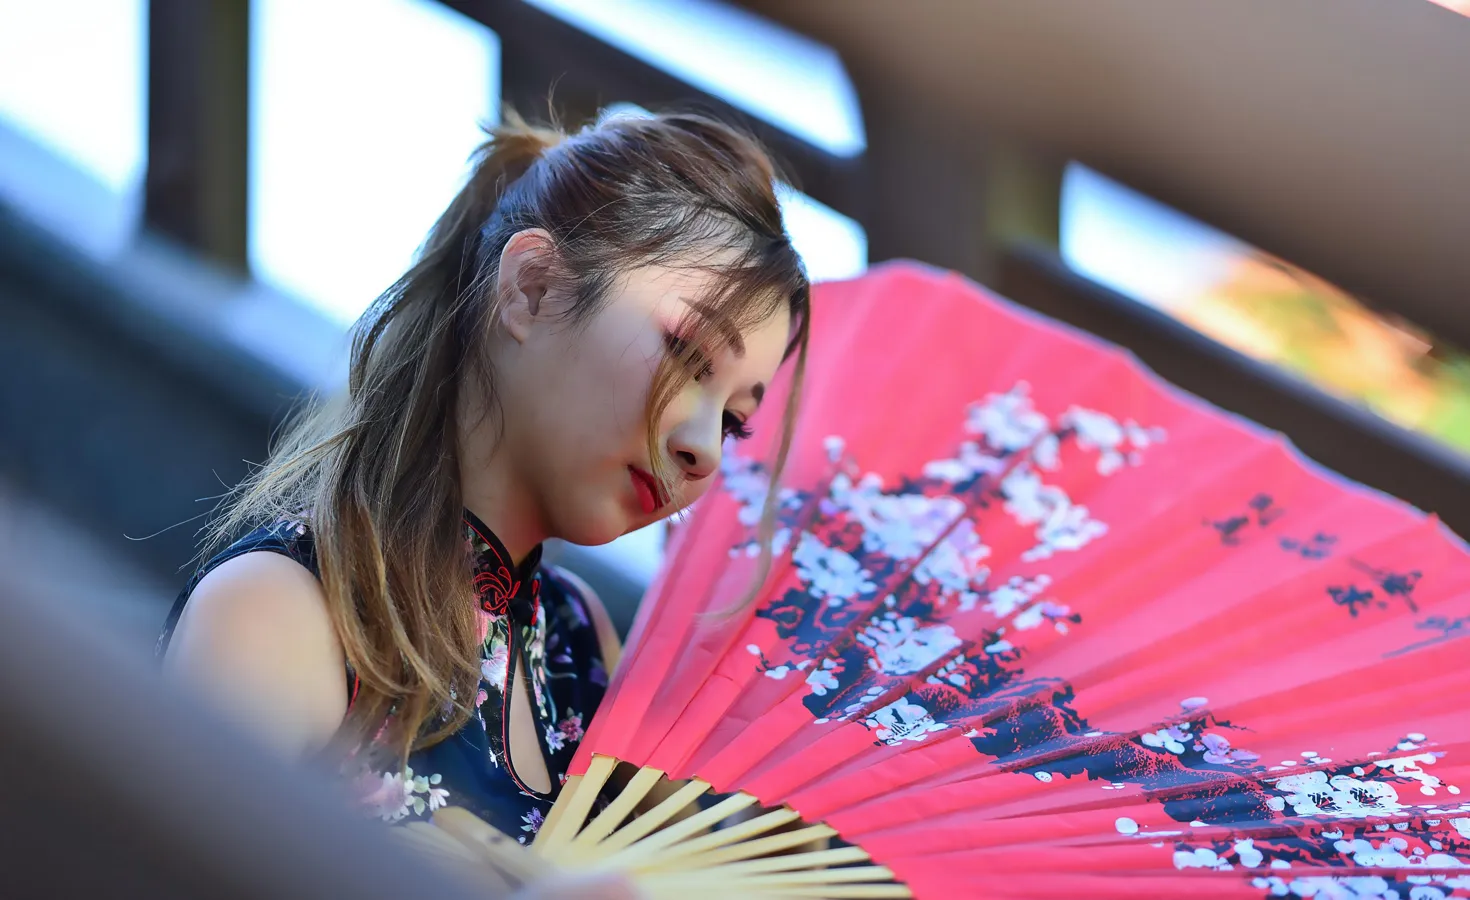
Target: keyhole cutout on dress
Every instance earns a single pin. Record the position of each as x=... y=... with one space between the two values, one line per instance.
x=527 y=759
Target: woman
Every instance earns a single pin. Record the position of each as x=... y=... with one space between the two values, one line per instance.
x=588 y=322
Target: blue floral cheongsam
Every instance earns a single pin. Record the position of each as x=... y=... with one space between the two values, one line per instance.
x=533 y=618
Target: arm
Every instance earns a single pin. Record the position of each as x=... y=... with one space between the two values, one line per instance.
x=257 y=642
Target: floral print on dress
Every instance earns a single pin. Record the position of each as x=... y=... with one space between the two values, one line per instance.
x=523 y=610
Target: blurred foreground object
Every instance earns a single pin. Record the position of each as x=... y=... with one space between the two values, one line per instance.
x=1038 y=625
x=121 y=787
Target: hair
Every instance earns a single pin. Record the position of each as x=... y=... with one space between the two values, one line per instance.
x=374 y=471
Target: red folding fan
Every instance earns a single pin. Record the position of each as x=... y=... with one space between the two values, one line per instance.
x=1038 y=625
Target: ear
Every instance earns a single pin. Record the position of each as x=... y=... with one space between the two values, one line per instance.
x=523 y=281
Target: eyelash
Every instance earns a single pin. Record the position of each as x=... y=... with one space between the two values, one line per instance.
x=734 y=426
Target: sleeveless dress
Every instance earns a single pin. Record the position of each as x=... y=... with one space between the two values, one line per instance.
x=533 y=619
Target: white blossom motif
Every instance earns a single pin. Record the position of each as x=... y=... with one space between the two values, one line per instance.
x=900 y=526
x=1200 y=858
x=1004 y=600
x=834 y=446
x=1007 y=422
x=1172 y=739
x=821 y=680
x=957 y=565
x=1410 y=767
x=969 y=462
x=748 y=483
x=949 y=672
x=1247 y=854
x=902 y=645
x=1328 y=887
x=830 y=574
x=1060 y=525
x=1340 y=796
x=902 y=721
x=1117 y=443
x=1045 y=611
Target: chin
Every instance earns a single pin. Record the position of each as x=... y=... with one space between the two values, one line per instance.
x=595 y=527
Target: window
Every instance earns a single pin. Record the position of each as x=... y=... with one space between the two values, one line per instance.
x=1264 y=307
x=788 y=79
x=73 y=101
x=362 y=122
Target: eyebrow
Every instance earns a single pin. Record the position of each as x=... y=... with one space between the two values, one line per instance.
x=725 y=326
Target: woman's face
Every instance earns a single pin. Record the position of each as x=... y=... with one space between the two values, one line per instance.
x=574 y=455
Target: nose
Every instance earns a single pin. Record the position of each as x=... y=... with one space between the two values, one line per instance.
x=696 y=450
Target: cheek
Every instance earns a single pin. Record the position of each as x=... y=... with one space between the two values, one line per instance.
x=601 y=390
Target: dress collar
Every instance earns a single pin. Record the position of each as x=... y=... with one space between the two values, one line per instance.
x=502 y=587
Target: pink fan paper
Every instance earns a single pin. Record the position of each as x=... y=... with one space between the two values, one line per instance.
x=1038 y=625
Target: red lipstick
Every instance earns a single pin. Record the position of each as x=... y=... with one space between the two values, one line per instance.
x=646 y=489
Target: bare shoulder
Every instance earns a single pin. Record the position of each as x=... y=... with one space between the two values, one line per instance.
x=607 y=633
x=256 y=638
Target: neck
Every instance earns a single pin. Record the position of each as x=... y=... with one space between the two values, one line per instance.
x=498 y=499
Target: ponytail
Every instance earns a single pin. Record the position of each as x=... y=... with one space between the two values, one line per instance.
x=375 y=474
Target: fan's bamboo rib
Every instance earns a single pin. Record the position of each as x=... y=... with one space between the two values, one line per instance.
x=845 y=891
x=853 y=875
x=648 y=822
x=705 y=885
x=812 y=859
x=760 y=847
x=493 y=846
x=620 y=808
x=741 y=832
x=841 y=891
x=426 y=838
x=861 y=874
x=686 y=828
x=572 y=807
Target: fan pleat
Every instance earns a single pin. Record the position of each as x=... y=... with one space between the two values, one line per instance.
x=1038 y=625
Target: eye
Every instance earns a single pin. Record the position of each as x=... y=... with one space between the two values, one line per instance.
x=735 y=427
x=694 y=360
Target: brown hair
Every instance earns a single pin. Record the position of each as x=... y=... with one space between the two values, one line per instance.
x=375 y=472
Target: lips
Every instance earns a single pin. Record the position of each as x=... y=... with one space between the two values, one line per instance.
x=647 y=489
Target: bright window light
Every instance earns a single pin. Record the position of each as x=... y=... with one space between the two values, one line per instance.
x=73 y=106
x=833 y=246
x=1136 y=245
x=361 y=129
x=788 y=79
x=73 y=77
x=1264 y=307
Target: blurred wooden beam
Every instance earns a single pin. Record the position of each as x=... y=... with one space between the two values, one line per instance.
x=1331 y=133
x=128 y=788
x=548 y=62
x=198 y=125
